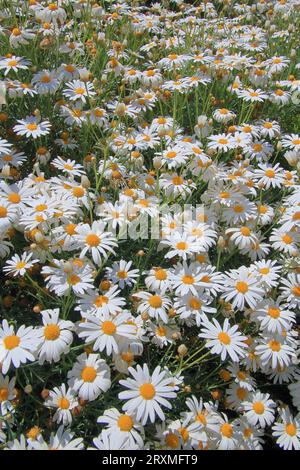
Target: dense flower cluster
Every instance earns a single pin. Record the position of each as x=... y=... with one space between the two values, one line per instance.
x=149 y=225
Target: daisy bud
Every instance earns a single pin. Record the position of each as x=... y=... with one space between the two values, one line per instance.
x=145 y=316
x=182 y=350
x=216 y=394
x=38 y=237
x=88 y=349
x=82 y=402
x=293 y=53
x=5 y=171
x=84 y=74
x=68 y=268
x=37 y=114
x=45 y=394
x=140 y=253
x=225 y=375
x=202 y=120
x=221 y=242
x=85 y=182
x=7 y=301
x=104 y=285
x=279 y=146
x=253 y=8
x=120 y=109
x=187 y=389
x=2 y=93
x=37 y=308
x=176 y=336
x=161 y=133
x=28 y=389
x=157 y=163
x=76 y=411
x=171 y=313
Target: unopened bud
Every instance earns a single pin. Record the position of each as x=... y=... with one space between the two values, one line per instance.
x=182 y=350
x=28 y=389
x=157 y=163
x=85 y=182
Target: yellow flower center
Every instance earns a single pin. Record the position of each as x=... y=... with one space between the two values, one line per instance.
x=122 y=274
x=147 y=391
x=273 y=312
x=226 y=430
x=275 y=345
x=63 y=403
x=3 y=212
x=291 y=429
x=93 y=240
x=88 y=374
x=51 y=332
x=172 y=440
x=181 y=246
x=100 y=300
x=258 y=407
x=160 y=274
x=270 y=173
x=224 y=338
x=155 y=301
x=11 y=342
x=108 y=327
x=73 y=279
x=296 y=291
x=3 y=394
x=188 y=279
x=245 y=231
x=14 y=198
x=32 y=126
x=242 y=287
x=125 y=423
x=287 y=239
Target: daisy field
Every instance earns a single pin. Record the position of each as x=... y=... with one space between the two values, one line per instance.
x=149 y=225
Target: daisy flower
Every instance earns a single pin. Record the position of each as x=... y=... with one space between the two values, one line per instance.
x=98 y=304
x=121 y=273
x=105 y=332
x=55 y=335
x=224 y=340
x=19 y=266
x=259 y=409
x=89 y=377
x=70 y=167
x=62 y=440
x=122 y=426
x=273 y=317
x=13 y=63
x=78 y=90
x=291 y=290
x=4 y=146
x=220 y=142
x=18 y=347
x=156 y=305
x=275 y=351
x=147 y=393
x=31 y=127
x=241 y=288
x=157 y=279
x=7 y=390
x=94 y=239
x=63 y=401
x=287 y=430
